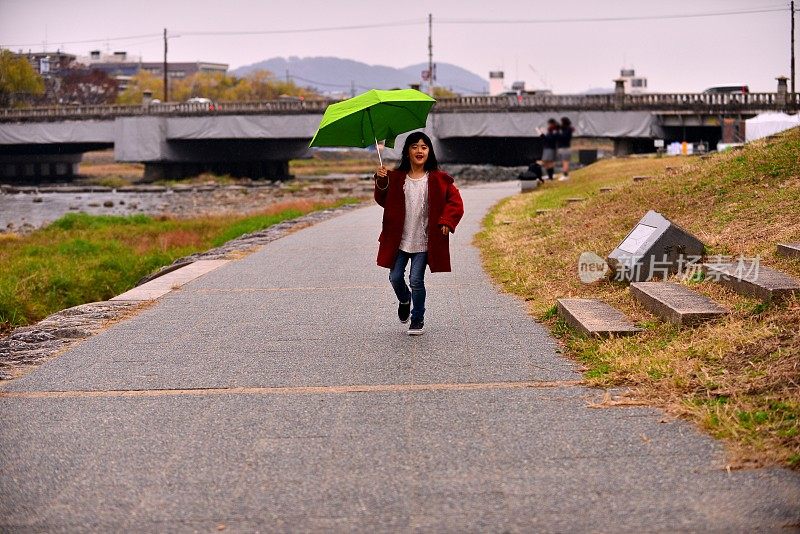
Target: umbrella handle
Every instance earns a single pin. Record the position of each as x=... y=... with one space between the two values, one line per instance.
x=380 y=160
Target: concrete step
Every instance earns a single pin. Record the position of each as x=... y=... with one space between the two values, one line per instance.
x=753 y=280
x=676 y=303
x=792 y=250
x=595 y=318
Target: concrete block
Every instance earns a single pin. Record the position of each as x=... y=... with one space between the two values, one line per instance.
x=164 y=284
x=676 y=303
x=655 y=247
x=753 y=280
x=791 y=250
x=595 y=318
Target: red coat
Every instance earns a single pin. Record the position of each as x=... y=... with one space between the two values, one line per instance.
x=444 y=207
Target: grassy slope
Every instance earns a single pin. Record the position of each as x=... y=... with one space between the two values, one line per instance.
x=81 y=258
x=738 y=377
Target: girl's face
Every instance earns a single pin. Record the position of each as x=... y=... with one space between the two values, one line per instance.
x=418 y=153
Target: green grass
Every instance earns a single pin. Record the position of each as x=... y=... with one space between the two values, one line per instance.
x=739 y=203
x=84 y=258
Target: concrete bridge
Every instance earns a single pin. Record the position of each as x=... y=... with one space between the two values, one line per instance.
x=258 y=139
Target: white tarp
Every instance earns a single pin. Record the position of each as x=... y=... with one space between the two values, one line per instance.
x=243 y=127
x=524 y=124
x=768 y=124
x=46 y=133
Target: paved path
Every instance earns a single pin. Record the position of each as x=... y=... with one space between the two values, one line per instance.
x=279 y=392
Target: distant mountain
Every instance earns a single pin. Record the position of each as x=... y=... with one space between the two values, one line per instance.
x=331 y=74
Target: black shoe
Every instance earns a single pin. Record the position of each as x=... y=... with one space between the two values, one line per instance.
x=417 y=328
x=404 y=311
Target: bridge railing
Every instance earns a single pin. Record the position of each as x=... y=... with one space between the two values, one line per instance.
x=111 y=111
x=653 y=102
x=657 y=102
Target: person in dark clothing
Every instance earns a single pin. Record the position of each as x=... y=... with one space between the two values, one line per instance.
x=564 y=142
x=550 y=144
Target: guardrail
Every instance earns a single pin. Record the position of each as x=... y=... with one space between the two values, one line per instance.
x=663 y=102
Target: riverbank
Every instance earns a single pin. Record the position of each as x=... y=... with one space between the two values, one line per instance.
x=108 y=188
x=26 y=208
x=84 y=258
x=736 y=377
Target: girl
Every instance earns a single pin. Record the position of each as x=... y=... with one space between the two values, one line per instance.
x=421 y=208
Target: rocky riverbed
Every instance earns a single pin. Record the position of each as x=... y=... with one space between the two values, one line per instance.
x=25 y=208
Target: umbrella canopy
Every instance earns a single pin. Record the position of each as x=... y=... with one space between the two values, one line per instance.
x=362 y=120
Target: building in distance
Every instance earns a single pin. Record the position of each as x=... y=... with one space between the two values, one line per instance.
x=634 y=85
x=122 y=67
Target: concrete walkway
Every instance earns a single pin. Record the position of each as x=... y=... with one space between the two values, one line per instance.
x=279 y=392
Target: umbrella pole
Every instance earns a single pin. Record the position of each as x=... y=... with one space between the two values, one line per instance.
x=380 y=159
x=372 y=126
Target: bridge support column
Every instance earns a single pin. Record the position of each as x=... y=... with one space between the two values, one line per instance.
x=619 y=93
x=256 y=170
x=37 y=168
x=782 y=95
x=623 y=147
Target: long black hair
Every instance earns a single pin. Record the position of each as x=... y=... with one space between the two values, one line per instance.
x=430 y=164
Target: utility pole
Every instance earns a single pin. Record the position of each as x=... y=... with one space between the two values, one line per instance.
x=791 y=5
x=166 y=82
x=430 y=53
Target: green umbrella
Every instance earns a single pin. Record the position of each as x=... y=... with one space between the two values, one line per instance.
x=362 y=120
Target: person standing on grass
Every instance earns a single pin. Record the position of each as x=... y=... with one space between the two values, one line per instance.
x=421 y=208
x=564 y=141
x=550 y=144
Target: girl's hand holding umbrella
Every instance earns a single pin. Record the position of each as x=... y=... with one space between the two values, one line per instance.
x=381 y=175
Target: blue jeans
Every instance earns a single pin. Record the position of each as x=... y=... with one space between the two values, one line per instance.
x=416 y=279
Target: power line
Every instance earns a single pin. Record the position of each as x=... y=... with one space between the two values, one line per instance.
x=85 y=41
x=306 y=30
x=610 y=19
x=238 y=32
x=294 y=77
x=410 y=22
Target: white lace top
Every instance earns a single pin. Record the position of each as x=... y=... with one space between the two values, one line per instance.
x=415 y=228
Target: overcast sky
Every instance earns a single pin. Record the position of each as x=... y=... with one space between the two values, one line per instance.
x=675 y=54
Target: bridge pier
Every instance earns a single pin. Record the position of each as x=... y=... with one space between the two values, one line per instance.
x=256 y=170
x=35 y=168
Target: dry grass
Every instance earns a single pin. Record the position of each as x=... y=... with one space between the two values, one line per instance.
x=319 y=167
x=738 y=378
x=127 y=170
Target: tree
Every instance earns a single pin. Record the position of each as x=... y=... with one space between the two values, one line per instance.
x=84 y=86
x=18 y=80
x=442 y=92
x=140 y=82
x=217 y=86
